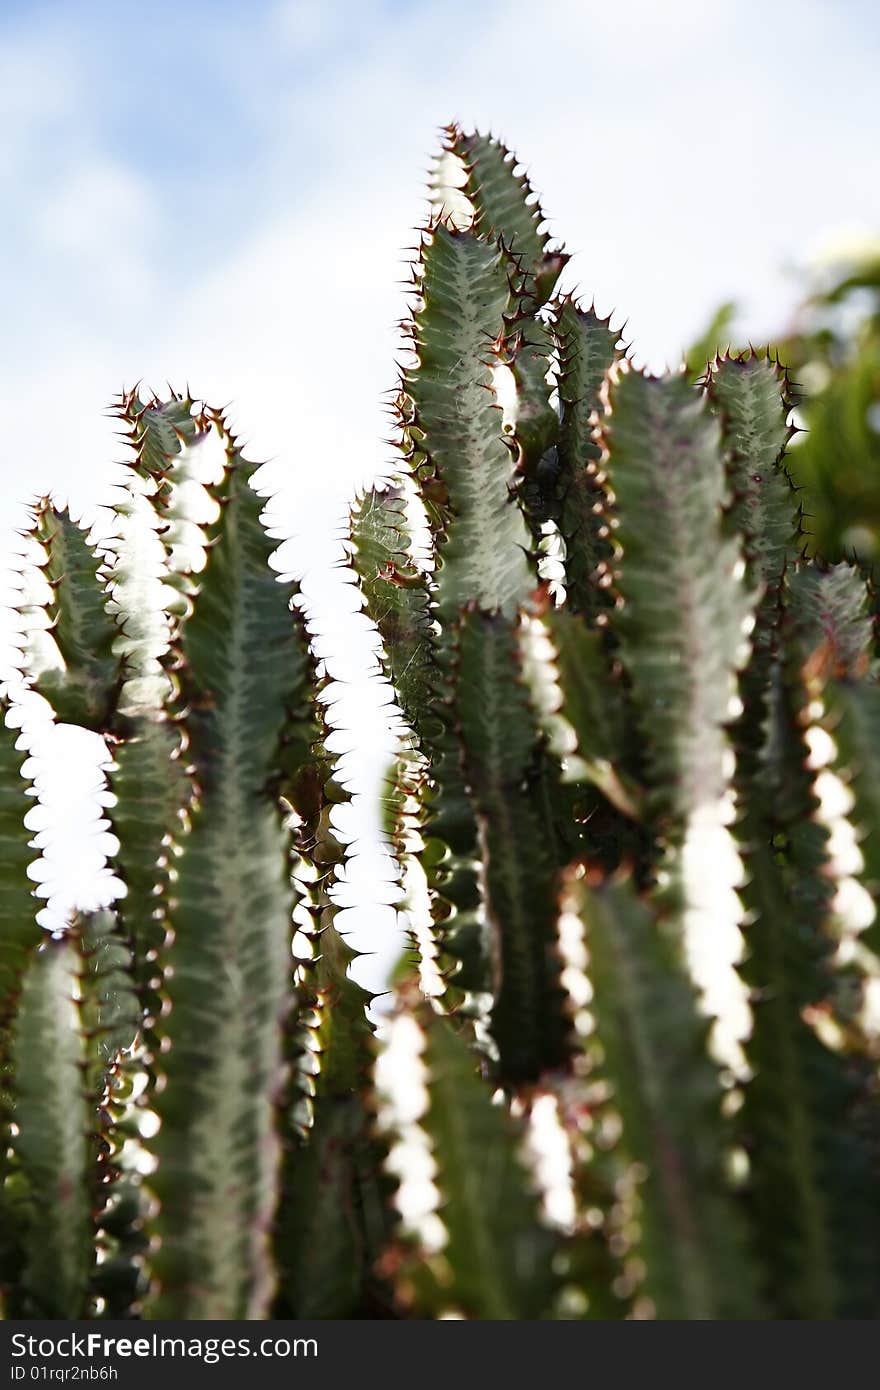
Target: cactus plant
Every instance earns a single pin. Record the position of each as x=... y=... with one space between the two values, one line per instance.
x=831 y=342
x=631 y=1067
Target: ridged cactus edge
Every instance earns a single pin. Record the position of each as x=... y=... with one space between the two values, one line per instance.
x=629 y=1065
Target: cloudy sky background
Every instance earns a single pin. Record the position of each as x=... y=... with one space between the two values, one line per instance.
x=219 y=193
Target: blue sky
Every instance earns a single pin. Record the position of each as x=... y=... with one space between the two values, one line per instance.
x=220 y=193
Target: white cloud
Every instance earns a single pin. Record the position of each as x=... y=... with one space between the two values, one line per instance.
x=307 y=25
x=95 y=226
x=97 y=205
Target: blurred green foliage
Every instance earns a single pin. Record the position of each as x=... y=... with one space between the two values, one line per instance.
x=832 y=350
